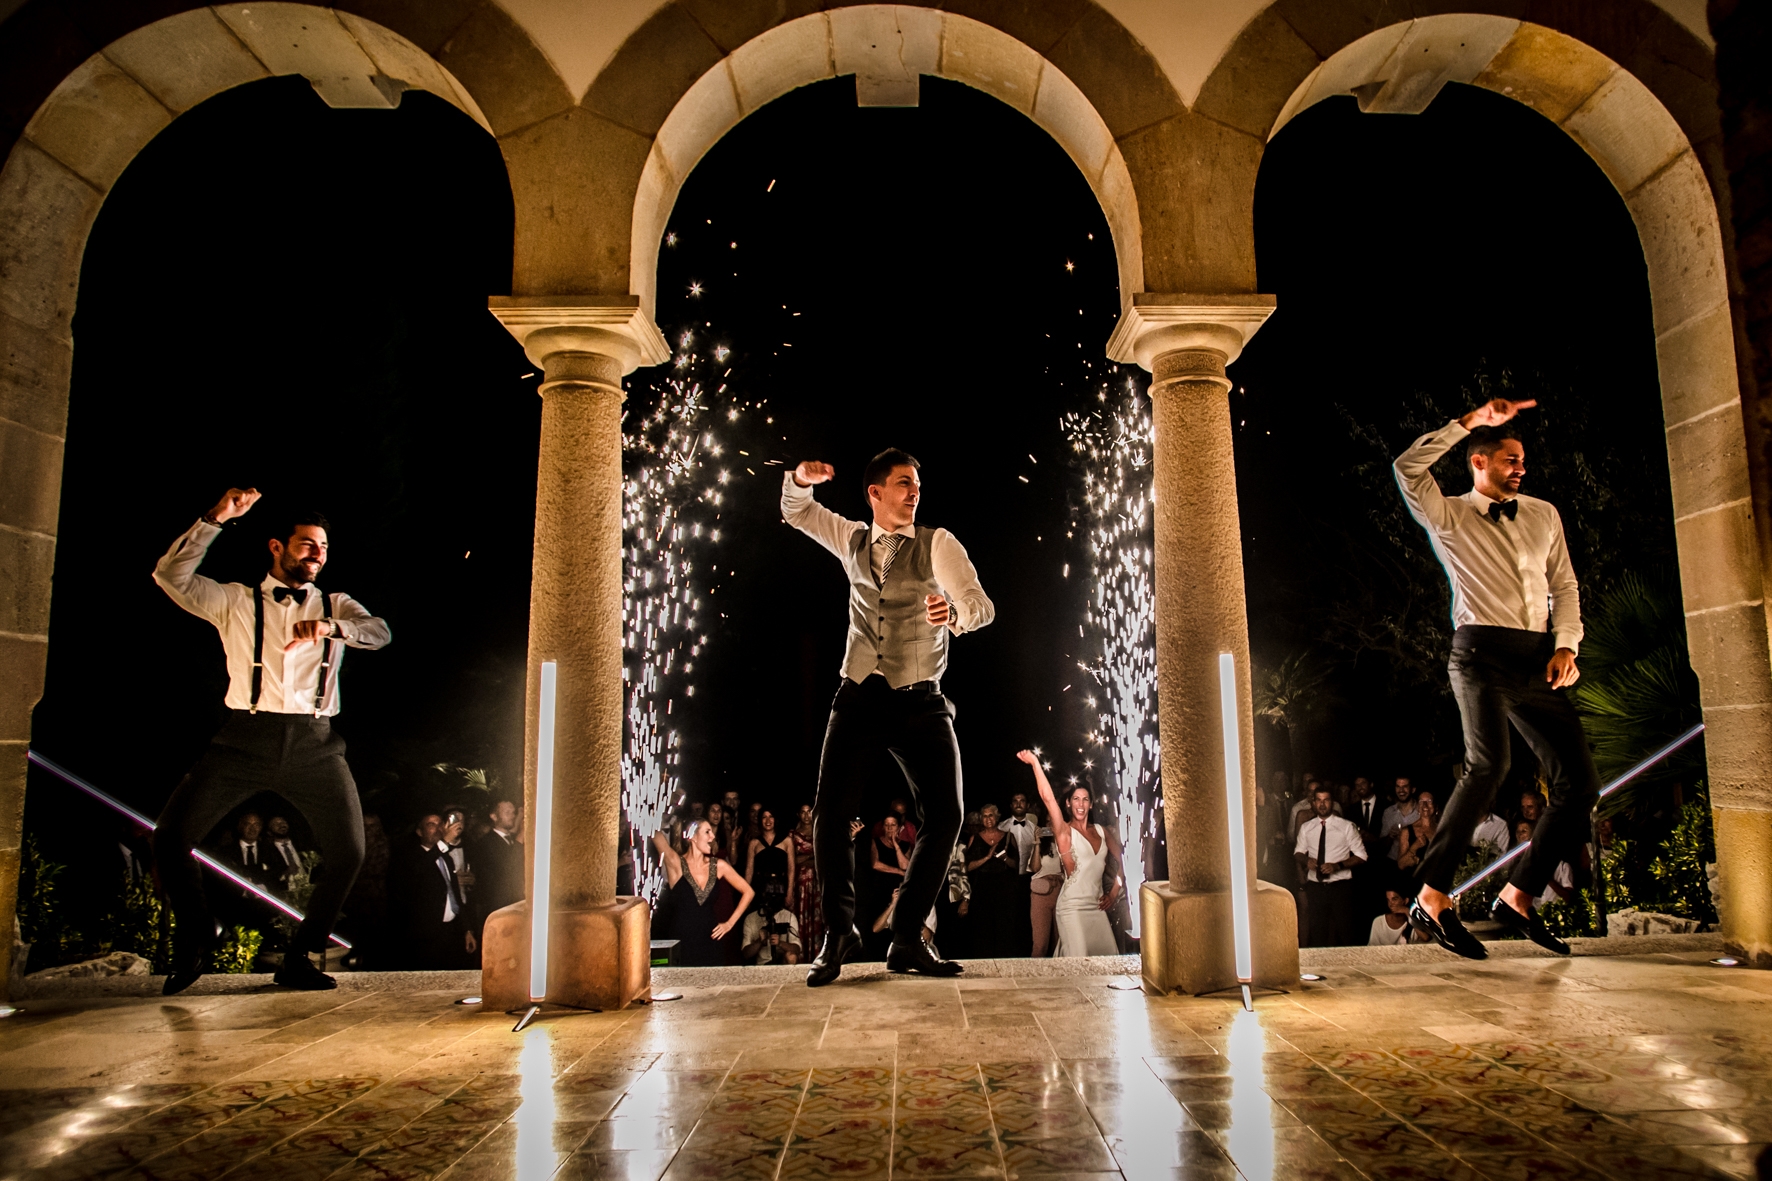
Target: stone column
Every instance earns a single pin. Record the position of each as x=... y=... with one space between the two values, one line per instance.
x=599 y=945
x=1186 y=341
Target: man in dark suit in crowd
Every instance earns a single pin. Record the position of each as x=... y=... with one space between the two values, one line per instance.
x=1366 y=812
x=427 y=909
x=497 y=859
x=247 y=853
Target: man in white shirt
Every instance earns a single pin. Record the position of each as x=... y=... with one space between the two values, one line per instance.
x=911 y=590
x=1399 y=816
x=1517 y=609
x=1328 y=851
x=283 y=640
x=1491 y=829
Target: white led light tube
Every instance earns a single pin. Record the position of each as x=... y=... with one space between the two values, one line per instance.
x=1233 y=798
x=544 y=837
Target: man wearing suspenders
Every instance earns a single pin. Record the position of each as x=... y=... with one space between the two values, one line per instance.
x=283 y=640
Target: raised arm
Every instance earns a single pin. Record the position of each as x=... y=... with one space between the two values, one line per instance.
x=1061 y=830
x=176 y=571
x=668 y=858
x=801 y=509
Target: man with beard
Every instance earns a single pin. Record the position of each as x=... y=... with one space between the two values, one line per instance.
x=1517 y=610
x=911 y=589
x=283 y=640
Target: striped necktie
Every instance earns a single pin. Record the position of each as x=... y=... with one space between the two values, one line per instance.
x=885 y=550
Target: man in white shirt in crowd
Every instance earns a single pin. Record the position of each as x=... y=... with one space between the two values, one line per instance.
x=1024 y=830
x=1517 y=610
x=1398 y=816
x=1492 y=830
x=1328 y=851
x=283 y=640
x=911 y=590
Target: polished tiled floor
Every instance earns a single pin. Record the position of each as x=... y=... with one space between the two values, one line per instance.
x=1616 y=1068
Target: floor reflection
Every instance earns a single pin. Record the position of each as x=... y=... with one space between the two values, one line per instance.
x=536 y=1155
x=1250 y=1137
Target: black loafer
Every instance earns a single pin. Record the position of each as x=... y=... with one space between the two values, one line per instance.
x=1530 y=925
x=829 y=964
x=298 y=971
x=917 y=956
x=1448 y=931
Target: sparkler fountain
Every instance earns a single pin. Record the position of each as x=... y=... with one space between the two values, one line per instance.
x=1113 y=447
x=672 y=485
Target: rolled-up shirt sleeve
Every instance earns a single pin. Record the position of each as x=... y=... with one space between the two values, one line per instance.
x=958 y=579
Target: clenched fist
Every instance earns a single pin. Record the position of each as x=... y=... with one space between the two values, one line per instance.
x=234 y=503
x=812 y=472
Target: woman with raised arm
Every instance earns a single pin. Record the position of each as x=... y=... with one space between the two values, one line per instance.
x=1085 y=849
x=698 y=886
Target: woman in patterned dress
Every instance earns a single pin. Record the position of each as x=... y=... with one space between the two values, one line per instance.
x=805 y=901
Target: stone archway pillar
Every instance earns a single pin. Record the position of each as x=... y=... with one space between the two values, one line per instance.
x=599 y=953
x=1188 y=945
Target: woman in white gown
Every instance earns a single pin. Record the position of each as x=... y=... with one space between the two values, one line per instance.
x=1085 y=850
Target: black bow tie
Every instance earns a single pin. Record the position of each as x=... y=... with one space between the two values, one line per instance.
x=300 y=596
x=1504 y=508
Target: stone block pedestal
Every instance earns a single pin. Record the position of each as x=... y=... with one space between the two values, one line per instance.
x=1187 y=944
x=599 y=956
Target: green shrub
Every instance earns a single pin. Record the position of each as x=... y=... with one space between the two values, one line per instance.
x=238 y=950
x=1682 y=884
x=1474 y=903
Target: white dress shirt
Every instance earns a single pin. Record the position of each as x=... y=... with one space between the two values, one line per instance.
x=289 y=678
x=249 y=853
x=1026 y=832
x=970 y=607
x=1396 y=819
x=1344 y=842
x=1493 y=829
x=1505 y=573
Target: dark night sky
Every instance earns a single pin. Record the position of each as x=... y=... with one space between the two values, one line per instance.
x=284 y=295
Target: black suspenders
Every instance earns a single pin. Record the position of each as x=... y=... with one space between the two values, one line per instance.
x=258 y=649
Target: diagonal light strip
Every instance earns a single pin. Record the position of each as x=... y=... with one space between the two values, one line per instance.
x=1508 y=857
x=116 y=805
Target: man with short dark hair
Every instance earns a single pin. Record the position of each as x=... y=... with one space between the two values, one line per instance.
x=1518 y=615
x=1400 y=815
x=911 y=590
x=497 y=858
x=1328 y=851
x=283 y=640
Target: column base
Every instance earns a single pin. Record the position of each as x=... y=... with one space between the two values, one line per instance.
x=1188 y=945
x=599 y=957
x=1744 y=859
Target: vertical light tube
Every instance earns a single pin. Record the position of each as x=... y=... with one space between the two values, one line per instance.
x=544 y=837
x=1233 y=798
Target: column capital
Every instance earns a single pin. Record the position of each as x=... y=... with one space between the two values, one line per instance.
x=568 y=327
x=1158 y=324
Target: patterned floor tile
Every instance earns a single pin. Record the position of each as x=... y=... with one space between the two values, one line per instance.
x=925 y=1153
x=1080 y=1153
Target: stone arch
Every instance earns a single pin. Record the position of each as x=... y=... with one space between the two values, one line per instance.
x=887 y=48
x=1651 y=159
x=76 y=144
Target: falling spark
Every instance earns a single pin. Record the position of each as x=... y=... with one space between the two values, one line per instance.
x=1120 y=621
x=695 y=289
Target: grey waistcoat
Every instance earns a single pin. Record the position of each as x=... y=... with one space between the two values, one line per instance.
x=889 y=628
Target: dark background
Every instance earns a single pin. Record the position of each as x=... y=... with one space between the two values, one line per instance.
x=293 y=297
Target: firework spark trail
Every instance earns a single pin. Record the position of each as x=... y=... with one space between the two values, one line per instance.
x=670 y=512
x=1113 y=446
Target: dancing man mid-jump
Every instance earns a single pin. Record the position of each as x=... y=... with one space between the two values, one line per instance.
x=910 y=590
x=1518 y=618
x=283 y=639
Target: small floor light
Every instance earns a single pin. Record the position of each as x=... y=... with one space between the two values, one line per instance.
x=1309 y=977
x=1727 y=961
x=9 y=1011
x=667 y=996
x=1126 y=984
x=468 y=1000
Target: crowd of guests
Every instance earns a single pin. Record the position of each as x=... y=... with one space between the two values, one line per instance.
x=741 y=885
x=420 y=900
x=1350 y=854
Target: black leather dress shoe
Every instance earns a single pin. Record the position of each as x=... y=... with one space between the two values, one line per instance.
x=298 y=971
x=1448 y=931
x=1530 y=925
x=829 y=964
x=917 y=956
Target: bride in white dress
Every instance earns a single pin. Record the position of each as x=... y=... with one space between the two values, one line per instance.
x=1084 y=848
